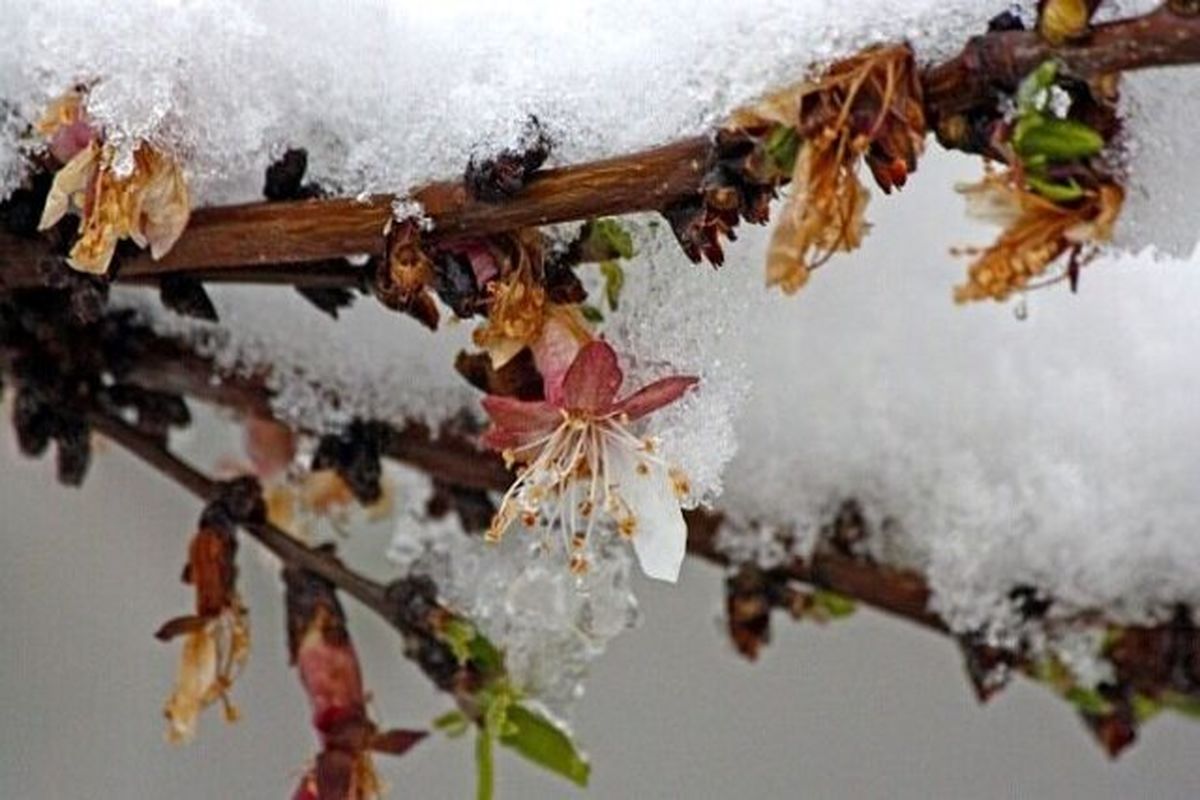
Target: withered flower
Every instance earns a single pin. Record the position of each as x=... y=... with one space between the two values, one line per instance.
x=739 y=185
x=403 y=280
x=520 y=313
x=1036 y=232
x=865 y=107
x=499 y=177
x=216 y=638
x=324 y=655
x=149 y=204
x=517 y=303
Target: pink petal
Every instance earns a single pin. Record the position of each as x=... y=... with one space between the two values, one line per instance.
x=483 y=263
x=70 y=139
x=553 y=353
x=515 y=422
x=593 y=379
x=656 y=395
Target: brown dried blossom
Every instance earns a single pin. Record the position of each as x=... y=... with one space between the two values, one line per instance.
x=517 y=302
x=217 y=637
x=403 y=279
x=739 y=185
x=866 y=107
x=1037 y=231
x=146 y=201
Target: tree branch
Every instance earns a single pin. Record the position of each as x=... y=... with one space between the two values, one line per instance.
x=239 y=240
x=1158 y=661
x=408 y=605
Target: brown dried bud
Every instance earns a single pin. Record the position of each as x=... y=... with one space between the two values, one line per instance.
x=748 y=609
x=403 y=279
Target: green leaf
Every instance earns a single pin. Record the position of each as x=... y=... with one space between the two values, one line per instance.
x=485 y=765
x=452 y=723
x=1053 y=190
x=486 y=655
x=783 y=145
x=1088 y=701
x=541 y=741
x=614 y=281
x=1053 y=673
x=834 y=605
x=468 y=644
x=1058 y=140
x=1031 y=92
x=591 y=313
x=458 y=634
x=606 y=239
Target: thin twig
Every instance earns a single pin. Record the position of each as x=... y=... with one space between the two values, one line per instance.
x=289 y=550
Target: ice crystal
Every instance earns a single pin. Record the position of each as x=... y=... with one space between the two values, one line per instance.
x=551 y=624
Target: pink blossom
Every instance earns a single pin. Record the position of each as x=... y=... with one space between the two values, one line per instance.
x=581 y=460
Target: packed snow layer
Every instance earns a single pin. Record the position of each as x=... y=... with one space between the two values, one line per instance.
x=1055 y=450
x=1052 y=451
x=389 y=94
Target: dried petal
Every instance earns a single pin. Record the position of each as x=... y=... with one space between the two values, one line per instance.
x=865 y=107
x=1038 y=231
x=563 y=336
x=66 y=127
x=70 y=183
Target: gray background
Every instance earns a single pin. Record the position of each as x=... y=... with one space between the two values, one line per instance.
x=871 y=707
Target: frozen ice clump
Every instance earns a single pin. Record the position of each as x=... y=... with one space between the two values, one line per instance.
x=551 y=624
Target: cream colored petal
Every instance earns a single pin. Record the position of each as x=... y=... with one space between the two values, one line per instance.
x=990 y=201
x=69 y=181
x=93 y=254
x=197 y=675
x=165 y=208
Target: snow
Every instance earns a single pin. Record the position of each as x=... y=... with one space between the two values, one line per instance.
x=1055 y=451
x=397 y=93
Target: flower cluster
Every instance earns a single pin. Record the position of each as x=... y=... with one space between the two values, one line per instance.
x=146 y=202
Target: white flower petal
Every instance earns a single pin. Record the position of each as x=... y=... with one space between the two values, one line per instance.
x=660 y=534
